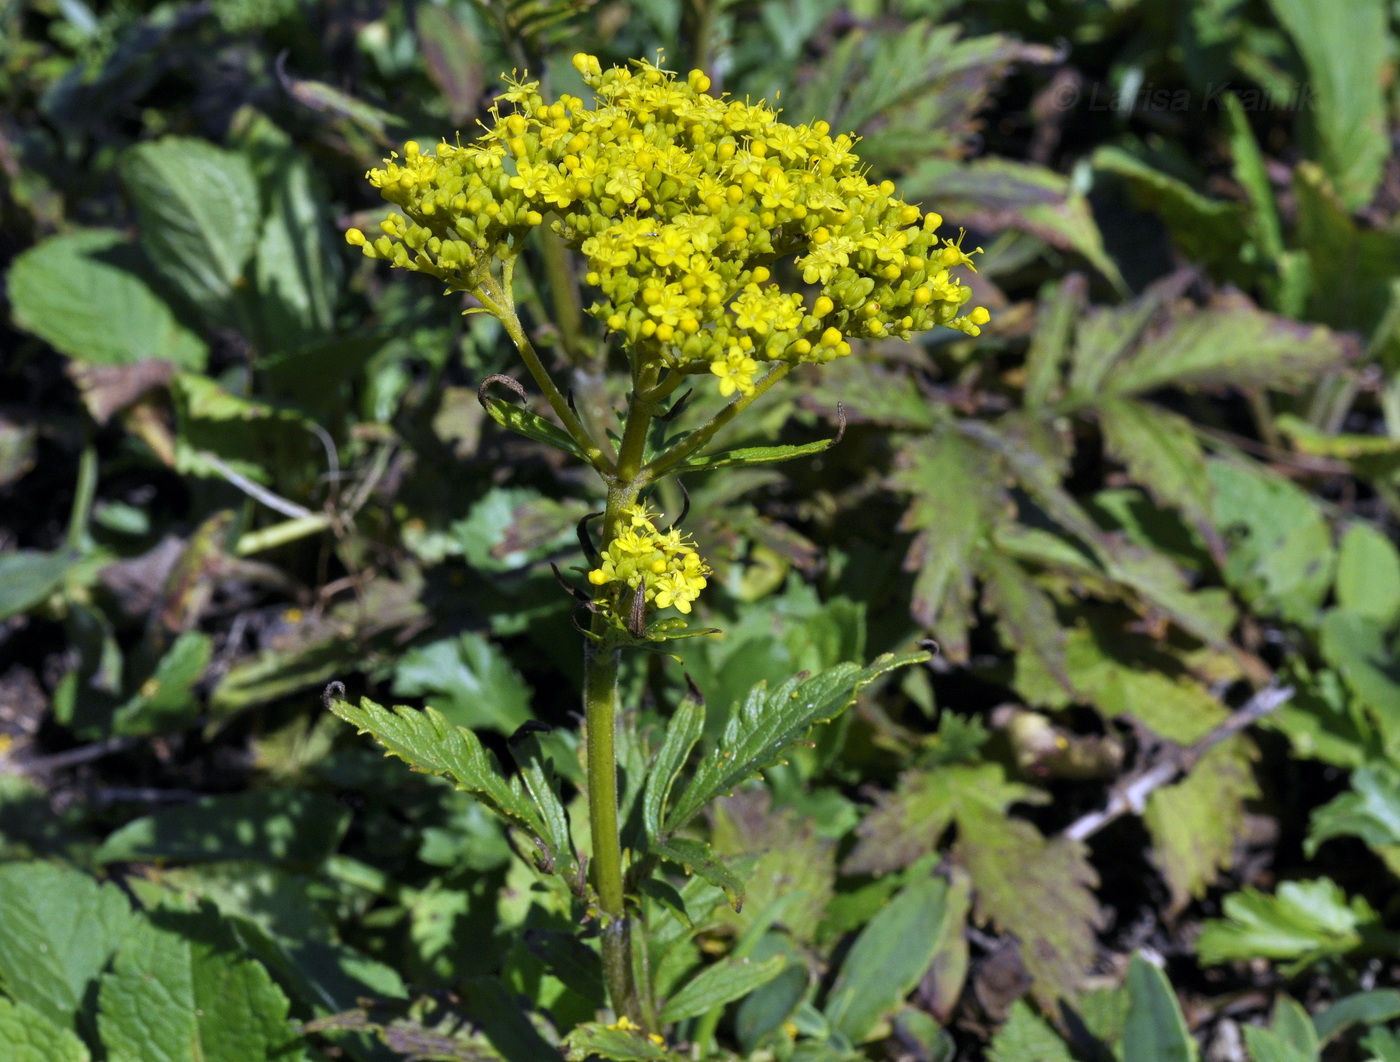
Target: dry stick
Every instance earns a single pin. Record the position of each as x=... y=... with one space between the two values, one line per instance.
x=1131 y=794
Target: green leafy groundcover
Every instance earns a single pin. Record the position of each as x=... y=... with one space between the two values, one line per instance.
x=1053 y=711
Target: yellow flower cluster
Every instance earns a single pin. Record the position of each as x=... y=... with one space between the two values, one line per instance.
x=673 y=572
x=685 y=205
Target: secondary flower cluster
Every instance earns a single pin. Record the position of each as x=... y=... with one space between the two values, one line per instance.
x=685 y=205
x=663 y=562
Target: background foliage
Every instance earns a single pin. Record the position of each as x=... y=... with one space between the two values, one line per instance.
x=238 y=462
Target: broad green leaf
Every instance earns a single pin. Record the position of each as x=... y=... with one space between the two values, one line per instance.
x=1371 y=811
x=277 y=825
x=766 y=725
x=1356 y=646
x=613 y=1043
x=470 y=681
x=748 y=456
x=1347 y=52
x=725 y=981
x=295 y=266
x=28 y=1036
x=1161 y=452
x=1383 y=1043
x=172 y=997
x=1368 y=575
x=1196 y=823
x=1304 y=921
x=892 y=953
x=683 y=731
x=426 y=741
x=1265 y=1045
x=1279 y=554
x=1155 y=1030
x=248 y=435
x=166 y=701
x=83 y=294
x=696 y=857
x=1294 y=1026
x=1229 y=344
x=768 y=1008
x=1038 y=889
x=1208 y=231
x=1027 y=1037
x=1360 y=1008
x=199 y=214
x=28 y=578
x=58 y=929
x=530 y=424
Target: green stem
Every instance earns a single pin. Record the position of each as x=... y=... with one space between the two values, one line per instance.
x=667 y=462
x=600 y=704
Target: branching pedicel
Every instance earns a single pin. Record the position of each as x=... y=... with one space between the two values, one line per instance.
x=691 y=211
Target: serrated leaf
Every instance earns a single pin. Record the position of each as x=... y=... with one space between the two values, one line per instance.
x=1154 y=1030
x=683 y=731
x=1347 y=54
x=1371 y=811
x=956 y=498
x=1104 y=336
x=428 y=742
x=172 y=997
x=1229 y=344
x=1304 y=921
x=537 y=773
x=470 y=680
x=1059 y=307
x=725 y=981
x=83 y=293
x=28 y=1036
x=765 y=725
x=698 y=858
x=530 y=424
x=892 y=954
x=58 y=929
x=1038 y=889
x=749 y=456
x=1368 y=575
x=199 y=213
x=1026 y=1037
x=1161 y=451
x=1196 y=823
x=1025 y=612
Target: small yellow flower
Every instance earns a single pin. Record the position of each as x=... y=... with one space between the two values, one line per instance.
x=735 y=371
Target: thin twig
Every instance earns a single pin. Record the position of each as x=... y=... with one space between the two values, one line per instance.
x=73 y=757
x=254 y=490
x=1132 y=793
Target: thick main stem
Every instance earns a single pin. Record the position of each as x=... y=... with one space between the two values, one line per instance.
x=600 y=711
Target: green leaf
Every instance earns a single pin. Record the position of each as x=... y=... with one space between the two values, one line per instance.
x=1196 y=823
x=892 y=954
x=28 y=578
x=248 y=435
x=1252 y=172
x=766 y=725
x=1026 y=1037
x=1347 y=52
x=470 y=681
x=725 y=981
x=526 y=422
x=1356 y=647
x=28 y=1036
x=1059 y=308
x=537 y=774
x=58 y=929
x=594 y=1041
x=199 y=213
x=276 y=825
x=1371 y=811
x=696 y=857
x=297 y=270
x=1279 y=554
x=166 y=701
x=426 y=741
x=748 y=456
x=1384 y=1044
x=1368 y=575
x=1161 y=452
x=84 y=295
x=1155 y=1030
x=173 y=997
x=1028 y=620
x=1359 y=1008
x=683 y=731
x=1232 y=343
x=1305 y=921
